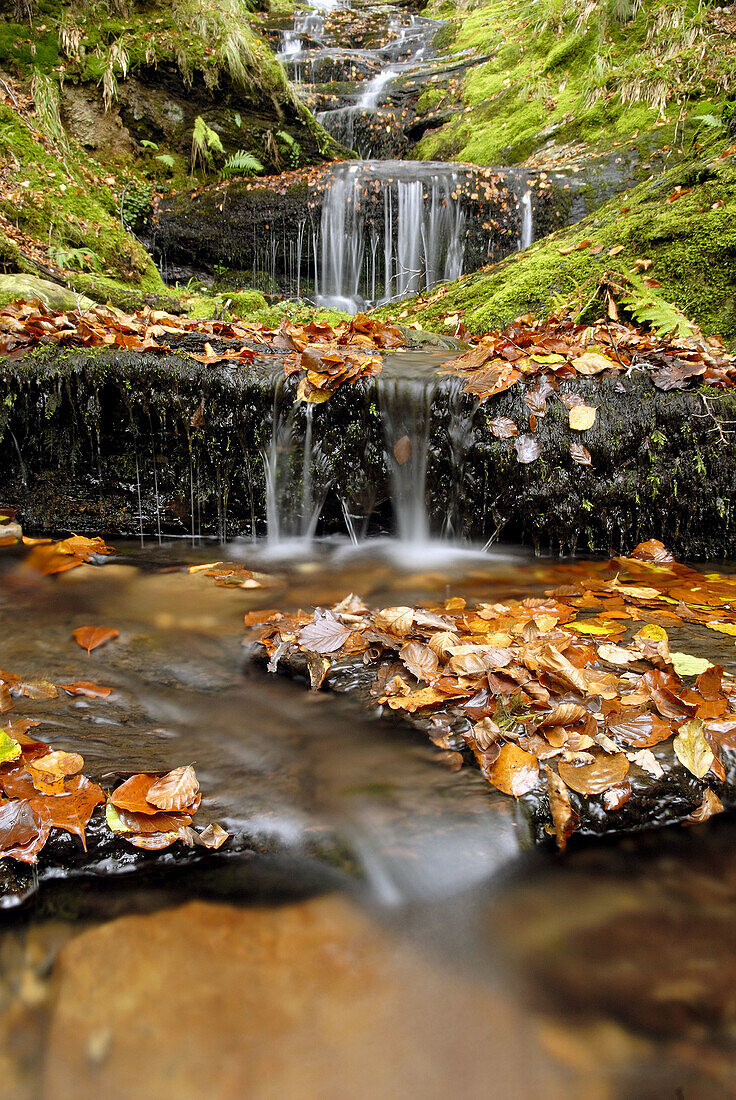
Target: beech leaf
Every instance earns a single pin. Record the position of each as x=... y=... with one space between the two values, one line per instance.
x=692 y=749
x=90 y=637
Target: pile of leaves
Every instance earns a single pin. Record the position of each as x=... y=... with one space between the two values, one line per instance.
x=545 y=692
x=44 y=789
x=327 y=355
x=559 y=348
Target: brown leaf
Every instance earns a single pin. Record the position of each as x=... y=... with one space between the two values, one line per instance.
x=564 y=818
x=325 y=634
x=402 y=450
x=174 y=791
x=527 y=448
x=605 y=771
x=91 y=691
x=503 y=427
x=641 y=731
x=131 y=795
x=24 y=830
x=580 y=454
x=395 y=620
x=90 y=637
x=710 y=805
x=617 y=796
x=420 y=660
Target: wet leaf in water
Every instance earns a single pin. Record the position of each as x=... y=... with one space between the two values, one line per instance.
x=131 y=795
x=580 y=454
x=24 y=830
x=710 y=805
x=402 y=450
x=686 y=665
x=692 y=749
x=317 y=667
x=527 y=448
x=325 y=634
x=48 y=772
x=641 y=731
x=503 y=427
x=9 y=748
x=214 y=836
x=174 y=791
x=154 y=842
x=605 y=771
x=88 y=689
x=90 y=637
x=564 y=818
x=617 y=796
x=515 y=771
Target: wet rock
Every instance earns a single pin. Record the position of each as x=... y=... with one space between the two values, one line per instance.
x=85 y=433
x=305 y=1000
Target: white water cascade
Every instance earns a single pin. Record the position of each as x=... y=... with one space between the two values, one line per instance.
x=406 y=413
x=388 y=229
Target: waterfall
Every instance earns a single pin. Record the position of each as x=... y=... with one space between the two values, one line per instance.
x=290 y=474
x=526 y=232
x=416 y=210
x=406 y=406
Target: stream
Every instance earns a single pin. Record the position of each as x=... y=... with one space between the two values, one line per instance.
x=374 y=925
x=607 y=973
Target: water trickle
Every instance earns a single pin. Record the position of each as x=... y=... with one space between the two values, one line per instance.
x=526 y=231
x=406 y=406
x=416 y=210
x=289 y=475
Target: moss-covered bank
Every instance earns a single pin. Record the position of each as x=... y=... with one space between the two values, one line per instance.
x=582 y=73
x=677 y=231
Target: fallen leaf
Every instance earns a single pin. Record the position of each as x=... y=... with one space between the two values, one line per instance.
x=515 y=771
x=420 y=660
x=582 y=417
x=580 y=454
x=527 y=448
x=605 y=771
x=710 y=805
x=174 y=791
x=395 y=620
x=10 y=749
x=91 y=691
x=564 y=818
x=692 y=749
x=90 y=637
x=402 y=450
x=24 y=829
x=325 y=634
x=503 y=427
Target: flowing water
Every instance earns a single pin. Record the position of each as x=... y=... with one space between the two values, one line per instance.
x=389 y=228
x=606 y=974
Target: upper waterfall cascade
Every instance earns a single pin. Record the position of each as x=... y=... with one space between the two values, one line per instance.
x=387 y=228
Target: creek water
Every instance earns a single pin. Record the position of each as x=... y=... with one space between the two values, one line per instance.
x=605 y=974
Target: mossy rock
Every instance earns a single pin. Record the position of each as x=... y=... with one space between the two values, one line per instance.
x=28 y=288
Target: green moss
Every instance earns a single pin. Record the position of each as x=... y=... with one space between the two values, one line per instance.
x=579 y=74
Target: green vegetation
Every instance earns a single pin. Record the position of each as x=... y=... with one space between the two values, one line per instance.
x=672 y=239
x=588 y=71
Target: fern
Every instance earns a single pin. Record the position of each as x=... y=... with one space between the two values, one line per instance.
x=205 y=142
x=654 y=311
x=241 y=164
x=167 y=160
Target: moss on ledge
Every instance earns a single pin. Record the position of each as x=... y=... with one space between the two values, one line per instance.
x=689 y=235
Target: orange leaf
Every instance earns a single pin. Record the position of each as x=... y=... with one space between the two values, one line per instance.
x=90 y=637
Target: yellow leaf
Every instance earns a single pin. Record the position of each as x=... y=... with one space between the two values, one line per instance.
x=724 y=628
x=692 y=749
x=582 y=417
x=592 y=362
x=686 y=665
